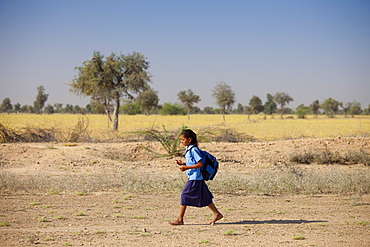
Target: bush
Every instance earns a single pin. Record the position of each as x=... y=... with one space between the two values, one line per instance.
x=328 y=157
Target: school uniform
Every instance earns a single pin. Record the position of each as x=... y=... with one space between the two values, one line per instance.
x=195 y=192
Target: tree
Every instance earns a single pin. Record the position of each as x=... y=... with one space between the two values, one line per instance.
x=367 y=110
x=315 y=107
x=147 y=100
x=225 y=97
x=282 y=99
x=107 y=80
x=58 y=107
x=330 y=107
x=270 y=105
x=130 y=107
x=188 y=98
x=248 y=110
x=17 y=107
x=240 y=109
x=209 y=110
x=49 y=109
x=172 y=109
x=354 y=108
x=302 y=111
x=6 y=106
x=256 y=104
x=41 y=99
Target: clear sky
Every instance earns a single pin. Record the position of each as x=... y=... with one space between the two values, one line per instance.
x=311 y=49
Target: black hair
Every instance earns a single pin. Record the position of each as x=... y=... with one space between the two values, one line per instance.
x=188 y=133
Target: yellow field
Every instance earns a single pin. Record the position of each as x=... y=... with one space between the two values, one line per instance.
x=265 y=130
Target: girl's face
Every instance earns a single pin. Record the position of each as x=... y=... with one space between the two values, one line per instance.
x=185 y=141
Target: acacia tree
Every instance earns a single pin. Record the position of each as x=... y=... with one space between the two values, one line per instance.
x=107 y=80
x=225 y=97
x=41 y=99
x=188 y=98
x=282 y=99
x=147 y=100
x=331 y=107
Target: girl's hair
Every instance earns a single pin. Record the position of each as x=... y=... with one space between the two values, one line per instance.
x=188 y=133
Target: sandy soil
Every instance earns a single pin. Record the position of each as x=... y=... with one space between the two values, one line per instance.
x=116 y=218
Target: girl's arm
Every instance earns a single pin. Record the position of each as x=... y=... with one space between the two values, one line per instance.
x=197 y=165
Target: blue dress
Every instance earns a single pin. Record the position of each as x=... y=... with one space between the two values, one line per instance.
x=195 y=192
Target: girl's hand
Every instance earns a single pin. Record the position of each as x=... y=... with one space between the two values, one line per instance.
x=179 y=162
x=183 y=168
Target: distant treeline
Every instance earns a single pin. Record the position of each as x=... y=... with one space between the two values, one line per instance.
x=133 y=108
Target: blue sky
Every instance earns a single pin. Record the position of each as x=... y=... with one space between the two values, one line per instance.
x=313 y=49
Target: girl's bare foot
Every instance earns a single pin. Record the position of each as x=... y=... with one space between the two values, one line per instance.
x=216 y=218
x=176 y=222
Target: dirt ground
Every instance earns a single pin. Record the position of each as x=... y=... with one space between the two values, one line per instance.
x=118 y=218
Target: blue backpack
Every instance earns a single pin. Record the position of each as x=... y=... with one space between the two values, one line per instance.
x=210 y=165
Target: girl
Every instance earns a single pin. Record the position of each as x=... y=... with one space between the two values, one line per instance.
x=196 y=192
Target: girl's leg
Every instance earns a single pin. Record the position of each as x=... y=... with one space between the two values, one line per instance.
x=180 y=219
x=217 y=213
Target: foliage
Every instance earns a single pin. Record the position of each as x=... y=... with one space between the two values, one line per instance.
x=270 y=105
x=302 y=111
x=130 y=108
x=107 y=80
x=169 y=141
x=6 y=106
x=49 y=109
x=41 y=98
x=282 y=99
x=225 y=97
x=256 y=104
x=315 y=107
x=330 y=107
x=188 y=98
x=148 y=101
x=172 y=109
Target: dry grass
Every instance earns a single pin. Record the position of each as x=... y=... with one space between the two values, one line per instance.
x=257 y=128
x=284 y=181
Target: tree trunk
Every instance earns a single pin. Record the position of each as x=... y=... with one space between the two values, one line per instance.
x=107 y=110
x=188 y=112
x=116 y=111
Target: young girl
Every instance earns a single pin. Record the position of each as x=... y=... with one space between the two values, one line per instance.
x=196 y=192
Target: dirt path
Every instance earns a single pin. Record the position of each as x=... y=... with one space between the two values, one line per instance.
x=116 y=218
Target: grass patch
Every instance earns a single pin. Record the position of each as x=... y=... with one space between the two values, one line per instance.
x=4 y=223
x=138 y=217
x=362 y=223
x=298 y=237
x=229 y=232
x=204 y=241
